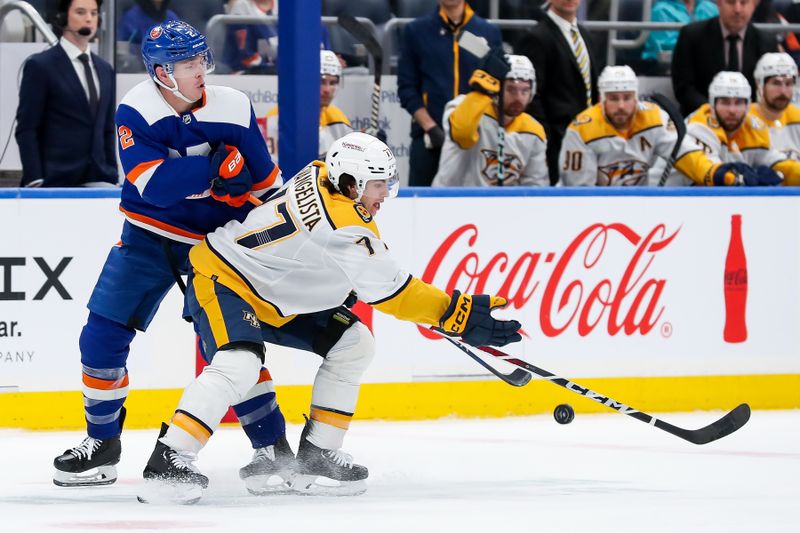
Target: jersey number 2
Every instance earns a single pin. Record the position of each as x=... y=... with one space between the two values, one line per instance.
x=125 y=137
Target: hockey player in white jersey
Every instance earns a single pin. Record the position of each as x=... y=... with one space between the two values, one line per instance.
x=618 y=140
x=731 y=134
x=299 y=256
x=776 y=78
x=469 y=153
x=333 y=123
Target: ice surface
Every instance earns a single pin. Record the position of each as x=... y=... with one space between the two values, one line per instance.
x=602 y=473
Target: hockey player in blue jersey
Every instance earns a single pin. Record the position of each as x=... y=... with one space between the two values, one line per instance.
x=192 y=155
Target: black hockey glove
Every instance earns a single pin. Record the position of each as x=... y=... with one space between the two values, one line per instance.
x=434 y=138
x=470 y=318
x=230 y=180
x=491 y=72
x=735 y=174
x=768 y=177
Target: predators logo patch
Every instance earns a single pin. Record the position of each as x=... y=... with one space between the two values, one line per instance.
x=623 y=173
x=512 y=167
x=362 y=212
x=251 y=318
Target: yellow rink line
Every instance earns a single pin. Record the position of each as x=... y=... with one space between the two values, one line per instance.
x=429 y=400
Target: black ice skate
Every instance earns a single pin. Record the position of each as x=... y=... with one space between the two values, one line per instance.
x=91 y=463
x=170 y=476
x=327 y=472
x=271 y=469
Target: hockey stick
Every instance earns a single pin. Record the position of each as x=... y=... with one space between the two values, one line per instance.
x=501 y=138
x=517 y=378
x=680 y=126
x=478 y=47
x=723 y=427
x=362 y=34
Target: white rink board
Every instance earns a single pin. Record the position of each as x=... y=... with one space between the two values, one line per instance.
x=686 y=340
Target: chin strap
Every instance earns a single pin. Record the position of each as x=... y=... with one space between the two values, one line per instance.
x=174 y=90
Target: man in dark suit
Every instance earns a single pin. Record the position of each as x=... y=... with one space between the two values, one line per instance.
x=65 y=119
x=566 y=73
x=727 y=42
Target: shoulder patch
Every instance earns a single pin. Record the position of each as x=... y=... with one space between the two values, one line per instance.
x=583 y=118
x=591 y=125
x=362 y=212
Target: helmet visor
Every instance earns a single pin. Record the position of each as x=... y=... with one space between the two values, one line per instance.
x=382 y=188
x=201 y=64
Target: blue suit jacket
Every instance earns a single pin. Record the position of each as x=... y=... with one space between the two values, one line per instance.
x=59 y=140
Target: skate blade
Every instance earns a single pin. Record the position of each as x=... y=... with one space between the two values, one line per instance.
x=311 y=485
x=158 y=492
x=269 y=484
x=102 y=475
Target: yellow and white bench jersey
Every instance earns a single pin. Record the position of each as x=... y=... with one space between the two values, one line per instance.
x=595 y=153
x=333 y=124
x=469 y=154
x=305 y=250
x=750 y=144
x=784 y=132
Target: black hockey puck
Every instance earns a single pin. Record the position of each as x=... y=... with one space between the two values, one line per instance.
x=563 y=413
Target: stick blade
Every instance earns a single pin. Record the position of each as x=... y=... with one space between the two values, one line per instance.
x=723 y=427
x=362 y=34
x=518 y=378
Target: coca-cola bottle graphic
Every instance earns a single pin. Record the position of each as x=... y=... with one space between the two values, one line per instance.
x=735 y=285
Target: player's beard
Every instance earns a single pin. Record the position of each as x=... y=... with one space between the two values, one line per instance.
x=779 y=103
x=731 y=125
x=621 y=120
x=513 y=110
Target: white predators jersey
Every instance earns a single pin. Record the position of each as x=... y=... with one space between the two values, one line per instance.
x=750 y=144
x=333 y=124
x=594 y=153
x=305 y=250
x=784 y=132
x=469 y=154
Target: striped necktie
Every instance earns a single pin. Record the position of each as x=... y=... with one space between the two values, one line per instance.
x=582 y=56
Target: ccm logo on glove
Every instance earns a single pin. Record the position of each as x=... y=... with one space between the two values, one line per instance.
x=462 y=313
x=233 y=163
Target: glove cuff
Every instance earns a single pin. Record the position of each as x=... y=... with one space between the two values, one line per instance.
x=454 y=319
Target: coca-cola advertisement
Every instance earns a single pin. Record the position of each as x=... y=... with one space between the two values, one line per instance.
x=604 y=287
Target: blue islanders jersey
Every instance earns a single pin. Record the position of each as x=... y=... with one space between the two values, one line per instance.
x=165 y=159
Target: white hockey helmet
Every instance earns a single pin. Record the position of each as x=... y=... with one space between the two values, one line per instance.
x=774 y=64
x=617 y=79
x=522 y=69
x=329 y=64
x=729 y=84
x=364 y=158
